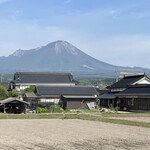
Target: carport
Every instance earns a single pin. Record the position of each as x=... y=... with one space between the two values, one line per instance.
x=13 y=106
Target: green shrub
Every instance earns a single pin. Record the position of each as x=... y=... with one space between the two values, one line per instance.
x=3 y=93
x=30 y=89
x=41 y=110
x=56 y=109
x=13 y=94
x=67 y=110
x=52 y=109
x=38 y=110
x=113 y=108
x=117 y=108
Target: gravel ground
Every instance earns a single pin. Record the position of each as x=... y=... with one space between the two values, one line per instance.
x=57 y=134
x=139 y=119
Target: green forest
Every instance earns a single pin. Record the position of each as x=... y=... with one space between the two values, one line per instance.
x=95 y=81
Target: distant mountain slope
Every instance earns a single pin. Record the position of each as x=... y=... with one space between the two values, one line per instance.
x=59 y=56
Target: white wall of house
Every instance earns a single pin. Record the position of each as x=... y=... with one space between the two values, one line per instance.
x=23 y=86
x=144 y=80
x=118 y=89
x=50 y=100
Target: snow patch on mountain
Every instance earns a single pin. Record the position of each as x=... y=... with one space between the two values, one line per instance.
x=60 y=46
x=38 y=48
x=86 y=66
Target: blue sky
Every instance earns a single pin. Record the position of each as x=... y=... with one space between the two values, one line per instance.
x=114 y=31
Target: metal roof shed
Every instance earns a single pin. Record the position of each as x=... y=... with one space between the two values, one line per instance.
x=13 y=105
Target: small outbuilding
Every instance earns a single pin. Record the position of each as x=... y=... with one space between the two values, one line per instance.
x=13 y=105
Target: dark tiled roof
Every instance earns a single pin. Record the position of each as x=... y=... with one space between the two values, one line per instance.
x=126 y=81
x=136 y=90
x=78 y=96
x=43 y=77
x=30 y=95
x=35 y=95
x=73 y=90
x=103 y=91
x=108 y=96
x=8 y=100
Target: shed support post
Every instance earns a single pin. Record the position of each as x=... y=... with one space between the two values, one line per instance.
x=108 y=103
x=113 y=103
x=4 y=109
x=25 y=109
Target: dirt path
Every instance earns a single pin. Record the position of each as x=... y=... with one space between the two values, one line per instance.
x=139 y=119
x=57 y=134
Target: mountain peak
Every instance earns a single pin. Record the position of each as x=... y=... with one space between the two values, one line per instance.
x=58 y=56
x=60 y=41
x=61 y=46
x=18 y=52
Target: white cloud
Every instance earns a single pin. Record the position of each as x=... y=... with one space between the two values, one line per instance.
x=3 y=1
x=16 y=14
x=67 y=1
x=112 y=12
x=22 y=35
x=125 y=50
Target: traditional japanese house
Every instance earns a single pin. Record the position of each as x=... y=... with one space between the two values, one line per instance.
x=23 y=80
x=130 y=93
x=73 y=97
x=136 y=97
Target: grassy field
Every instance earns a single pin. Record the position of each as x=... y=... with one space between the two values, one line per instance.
x=103 y=117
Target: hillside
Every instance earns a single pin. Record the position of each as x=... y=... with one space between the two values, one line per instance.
x=59 y=56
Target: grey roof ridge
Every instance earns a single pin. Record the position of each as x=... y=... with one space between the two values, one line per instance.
x=41 y=83
x=135 y=80
x=11 y=98
x=139 y=85
x=142 y=76
x=64 y=73
x=37 y=89
x=133 y=94
x=63 y=86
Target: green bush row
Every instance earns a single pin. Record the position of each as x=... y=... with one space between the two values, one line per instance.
x=113 y=108
x=52 y=109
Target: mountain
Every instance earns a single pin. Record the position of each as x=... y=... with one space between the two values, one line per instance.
x=59 y=56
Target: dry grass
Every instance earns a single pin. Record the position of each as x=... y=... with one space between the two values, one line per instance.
x=116 y=118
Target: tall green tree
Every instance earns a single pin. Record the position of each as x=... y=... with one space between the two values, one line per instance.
x=13 y=94
x=30 y=89
x=3 y=93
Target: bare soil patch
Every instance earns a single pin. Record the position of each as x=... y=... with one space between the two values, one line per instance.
x=139 y=119
x=71 y=134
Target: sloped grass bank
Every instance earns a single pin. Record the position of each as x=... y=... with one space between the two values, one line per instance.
x=103 y=117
